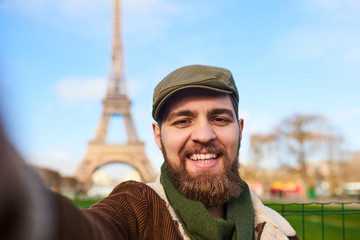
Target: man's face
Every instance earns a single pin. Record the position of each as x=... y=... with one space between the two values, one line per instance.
x=200 y=135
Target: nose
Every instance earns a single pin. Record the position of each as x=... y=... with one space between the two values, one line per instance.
x=203 y=132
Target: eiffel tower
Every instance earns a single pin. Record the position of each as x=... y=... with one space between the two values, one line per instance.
x=116 y=102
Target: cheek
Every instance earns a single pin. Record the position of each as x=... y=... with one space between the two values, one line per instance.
x=230 y=140
x=173 y=142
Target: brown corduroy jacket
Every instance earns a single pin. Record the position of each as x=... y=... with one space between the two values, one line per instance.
x=132 y=211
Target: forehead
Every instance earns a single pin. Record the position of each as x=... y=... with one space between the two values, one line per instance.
x=197 y=99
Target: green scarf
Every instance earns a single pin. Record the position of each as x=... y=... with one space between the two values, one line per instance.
x=198 y=222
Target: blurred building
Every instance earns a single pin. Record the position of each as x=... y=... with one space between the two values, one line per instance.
x=326 y=178
x=103 y=184
x=56 y=182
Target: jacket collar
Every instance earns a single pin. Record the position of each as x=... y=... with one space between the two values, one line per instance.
x=271 y=224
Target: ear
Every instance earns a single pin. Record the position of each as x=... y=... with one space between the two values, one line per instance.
x=157 y=135
x=241 y=126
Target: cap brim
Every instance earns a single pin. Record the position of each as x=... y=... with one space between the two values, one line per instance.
x=171 y=93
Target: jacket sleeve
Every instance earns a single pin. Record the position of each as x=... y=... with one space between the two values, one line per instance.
x=122 y=215
x=29 y=211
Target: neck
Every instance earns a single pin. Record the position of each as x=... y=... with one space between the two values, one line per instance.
x=217 y=212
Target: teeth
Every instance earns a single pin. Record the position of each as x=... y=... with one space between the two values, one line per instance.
x=205 y=161
x=203 y=158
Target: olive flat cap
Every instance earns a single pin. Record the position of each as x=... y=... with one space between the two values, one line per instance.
x=194 y=76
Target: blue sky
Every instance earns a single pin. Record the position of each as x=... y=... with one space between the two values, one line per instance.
x=287 y=57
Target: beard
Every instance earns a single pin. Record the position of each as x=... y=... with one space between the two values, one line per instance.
x=211 y=189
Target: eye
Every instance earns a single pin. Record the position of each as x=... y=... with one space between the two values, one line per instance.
x=220 y=121
x=182 y=123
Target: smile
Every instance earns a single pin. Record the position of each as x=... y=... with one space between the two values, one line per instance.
x=203 y=158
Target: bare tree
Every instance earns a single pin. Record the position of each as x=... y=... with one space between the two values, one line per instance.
x=303 y=136
x=351 y=167
x=332 y=146
x=298 y=140
x=261 y=146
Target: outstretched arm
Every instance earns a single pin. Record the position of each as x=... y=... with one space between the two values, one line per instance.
x=25 y=204
x=30 y=211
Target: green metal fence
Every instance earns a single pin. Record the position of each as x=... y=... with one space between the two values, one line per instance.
x=336 y=220
x=312 y=221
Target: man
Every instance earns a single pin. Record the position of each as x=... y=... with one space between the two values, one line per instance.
x=199 y=193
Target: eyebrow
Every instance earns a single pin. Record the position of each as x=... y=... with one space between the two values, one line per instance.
x=181 y=113
x=221 y=111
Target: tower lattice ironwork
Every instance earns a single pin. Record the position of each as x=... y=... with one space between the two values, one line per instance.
x=115 y=103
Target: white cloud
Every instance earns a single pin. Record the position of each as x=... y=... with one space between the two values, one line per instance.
x=75 y=90
x=147 y=20
x=57 y=159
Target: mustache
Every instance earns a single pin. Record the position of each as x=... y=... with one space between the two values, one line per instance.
x=209 y=147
